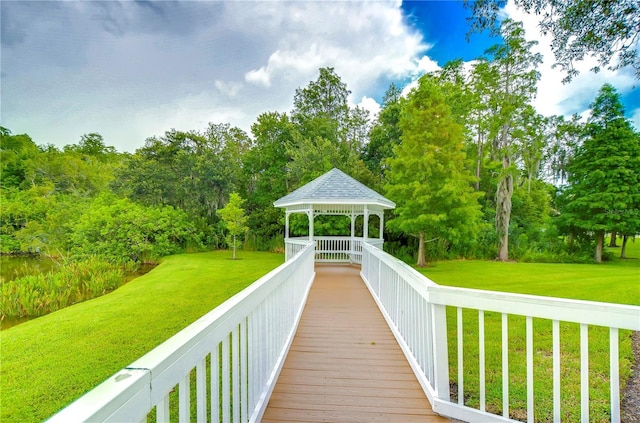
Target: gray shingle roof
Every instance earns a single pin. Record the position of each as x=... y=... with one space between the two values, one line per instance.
x=334 y=187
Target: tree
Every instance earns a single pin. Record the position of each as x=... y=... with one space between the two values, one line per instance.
x=265 y=166
x=604 y=174
x=565 y=137
x=512 y=76
x=323 y=100
x=14 y=151
x=328 y=133
x=235 y=220
x=608 y=30
x=384 y=135
x=427 y=177
x=121 y=230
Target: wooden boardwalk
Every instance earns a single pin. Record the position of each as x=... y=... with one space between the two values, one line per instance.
x=344 y=364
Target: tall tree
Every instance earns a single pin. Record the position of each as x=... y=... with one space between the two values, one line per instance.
x=266 y=171
x=604 y=174
x=427 y=177
x=384 y=135
x=329 y=133
x=608 y=30
x=234 y=220
x=321 y=108
x=566 y=135
x=513 y=77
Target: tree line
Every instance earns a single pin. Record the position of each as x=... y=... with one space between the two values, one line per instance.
x=474 y=169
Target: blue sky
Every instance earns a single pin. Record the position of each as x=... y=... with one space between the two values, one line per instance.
x=444 y=25
x=133 y=69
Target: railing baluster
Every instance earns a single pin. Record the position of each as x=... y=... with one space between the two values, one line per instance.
x=441 y=351
x=483 y=399
x=201 y=390
x=460 y=356
x=215 y=384
x=556 y=370
x=614 y=376
x=584 y=373
x=162 y=410
x=244 y=395
x=226 y=383
x=530 y=393
x=184 y=394
x=505 y=365
x=235 y=373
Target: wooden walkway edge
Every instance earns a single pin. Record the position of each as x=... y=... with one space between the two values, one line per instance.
x=344 y=364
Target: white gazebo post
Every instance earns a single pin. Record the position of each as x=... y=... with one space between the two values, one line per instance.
x=365 y=224
x=334 y=193
x=310 y=214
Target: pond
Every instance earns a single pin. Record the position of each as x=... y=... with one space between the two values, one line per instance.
x=13 y=267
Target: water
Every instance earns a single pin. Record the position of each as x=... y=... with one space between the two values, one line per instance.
x=13 y=267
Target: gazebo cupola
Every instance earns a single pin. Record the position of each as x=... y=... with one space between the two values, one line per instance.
x=335 y=193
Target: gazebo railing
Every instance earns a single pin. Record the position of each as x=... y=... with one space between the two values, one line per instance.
x=332 y=249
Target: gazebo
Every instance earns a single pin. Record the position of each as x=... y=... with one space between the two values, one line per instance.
x=335 y=193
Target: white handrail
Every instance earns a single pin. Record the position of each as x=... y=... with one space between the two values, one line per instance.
x=415 y=309
x=237 y=349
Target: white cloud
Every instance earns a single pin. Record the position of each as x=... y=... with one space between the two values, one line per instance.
x=131 y=71
x=427 y=65
x=554 y=97
x=368 y=103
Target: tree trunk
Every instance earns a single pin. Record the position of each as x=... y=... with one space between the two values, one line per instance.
x=503 y=215
x=599 y=246
x=623 y=250
x=478 y=162
x=612 y=242
x=421 y=261
x=234 y=247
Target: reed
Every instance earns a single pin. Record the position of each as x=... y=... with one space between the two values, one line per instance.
x=71 y=283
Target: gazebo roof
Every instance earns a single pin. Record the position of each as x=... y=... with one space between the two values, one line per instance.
x=334 y=187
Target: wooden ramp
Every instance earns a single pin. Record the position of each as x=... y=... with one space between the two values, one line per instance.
x=344 y=364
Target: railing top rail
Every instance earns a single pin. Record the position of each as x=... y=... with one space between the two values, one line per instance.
x=219 y=316
x=577 y=311
x=621 y=316
x=417 y=280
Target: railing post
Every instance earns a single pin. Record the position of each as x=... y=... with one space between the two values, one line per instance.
x=440 y=351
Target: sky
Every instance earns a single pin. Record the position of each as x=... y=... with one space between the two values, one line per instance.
x=130 y=70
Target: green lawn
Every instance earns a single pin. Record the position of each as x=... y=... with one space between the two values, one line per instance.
x=48 y=362
x=617 y=282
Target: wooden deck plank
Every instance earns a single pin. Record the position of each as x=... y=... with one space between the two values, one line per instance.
x=344 y=364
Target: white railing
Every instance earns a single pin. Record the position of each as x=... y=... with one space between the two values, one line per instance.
x=332 y=249
x=229 y=360
x=293 y=246
x=416 y=311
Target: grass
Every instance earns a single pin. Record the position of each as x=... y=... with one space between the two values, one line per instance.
x=617 y=282
x=51 y=361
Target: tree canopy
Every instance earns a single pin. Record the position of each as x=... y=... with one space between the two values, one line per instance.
x=608 y=30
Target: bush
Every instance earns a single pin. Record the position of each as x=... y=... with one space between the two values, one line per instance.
x=9 y=244
x=120 y=231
